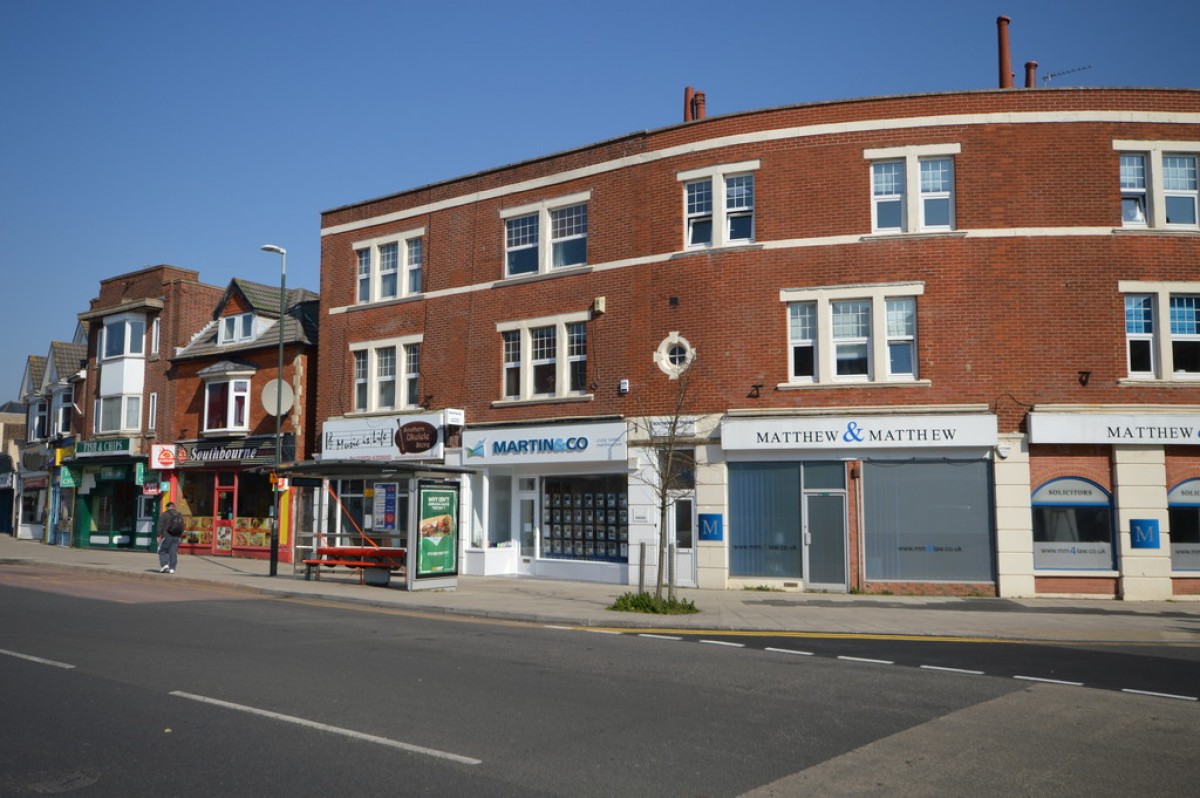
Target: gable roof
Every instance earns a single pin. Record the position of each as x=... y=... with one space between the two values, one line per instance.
x=64 y=361
x=35 y=370
x=299 y=322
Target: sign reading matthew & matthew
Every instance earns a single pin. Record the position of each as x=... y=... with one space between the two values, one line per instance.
x=556 y=443
x=1177 y=429
x=417 y=437
x=858 y=432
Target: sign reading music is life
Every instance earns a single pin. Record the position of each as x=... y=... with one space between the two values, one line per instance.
x=415 y=437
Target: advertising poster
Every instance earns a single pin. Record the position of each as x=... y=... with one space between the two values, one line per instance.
x=384 y=510
x=437 y=546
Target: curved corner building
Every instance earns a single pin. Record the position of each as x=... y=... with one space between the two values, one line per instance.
x=944 y=344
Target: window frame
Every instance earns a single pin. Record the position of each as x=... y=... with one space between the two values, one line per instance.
x=372 y=356
x=821 y=335
x=132 y=341
x=914 y=202
x=520 y=368
x=1153 y=189
x=1164 y=340
x=237 y=386
x=545 y=242
x=374 y=272
x=128 y=405
x=236 y=328
x=721 y=211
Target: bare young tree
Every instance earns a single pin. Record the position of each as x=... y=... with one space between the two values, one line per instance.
x=667 y=437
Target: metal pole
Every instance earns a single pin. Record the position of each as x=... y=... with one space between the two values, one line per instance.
x=279 y=412
x=642 y=567
x=278 y=403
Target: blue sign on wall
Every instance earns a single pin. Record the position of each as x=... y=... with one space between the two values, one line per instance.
x=1144 y=533
x=710 y=526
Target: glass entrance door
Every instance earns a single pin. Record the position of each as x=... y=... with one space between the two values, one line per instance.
x=223 y=523
x=682 y=519
x=526 y=524
x=825 y=541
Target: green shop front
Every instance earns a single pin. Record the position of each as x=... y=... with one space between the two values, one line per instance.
x=116 y=495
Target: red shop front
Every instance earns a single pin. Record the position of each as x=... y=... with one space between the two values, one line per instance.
x=225 y=493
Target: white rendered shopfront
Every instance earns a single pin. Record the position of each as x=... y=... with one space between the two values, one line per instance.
x=548 y=500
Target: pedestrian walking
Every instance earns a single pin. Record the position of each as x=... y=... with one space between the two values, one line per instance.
x=170 y=531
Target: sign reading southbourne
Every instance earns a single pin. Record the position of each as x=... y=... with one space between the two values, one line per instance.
x=1177 y=429
x=104 y=447
x=858 y=432
x=555 y=443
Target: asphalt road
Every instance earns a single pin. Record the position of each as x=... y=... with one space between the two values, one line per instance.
x=111 y=686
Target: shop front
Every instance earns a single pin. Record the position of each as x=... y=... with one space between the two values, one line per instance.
x=226 y=495
x=549 y=501
x=899 y=503
x=106 y=479
x=1115 y=501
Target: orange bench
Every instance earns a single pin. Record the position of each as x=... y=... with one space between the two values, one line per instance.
x=385 y=558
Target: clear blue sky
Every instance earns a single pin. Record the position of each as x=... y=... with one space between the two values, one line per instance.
x=139 y=132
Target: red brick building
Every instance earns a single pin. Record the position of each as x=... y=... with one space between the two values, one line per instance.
x=224 y=445
x=126 y=399
x=930 y=343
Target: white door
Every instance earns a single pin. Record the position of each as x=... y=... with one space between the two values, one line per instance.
x=525 y=524
x=682 y=521
x=144 y=532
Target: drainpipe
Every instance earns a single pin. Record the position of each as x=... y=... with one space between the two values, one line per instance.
x=1006 y=73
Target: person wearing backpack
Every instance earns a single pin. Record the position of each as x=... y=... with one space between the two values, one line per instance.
x=170 y=532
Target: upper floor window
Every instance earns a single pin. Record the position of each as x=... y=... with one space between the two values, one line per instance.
x=545 y=236
x=124 y=336
x=1158 y=350
x=155 y=334
x=1160 y=185
x=227 y=406
x=117 y=414
x=719 y=205
x=545 y=358
x=389 y=267
x=386 y=374
x=64 y=403
x=38 y=420
x=238 y=328
x=897 y=209
x=852 y=334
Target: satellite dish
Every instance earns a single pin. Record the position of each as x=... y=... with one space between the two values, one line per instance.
x=286 y=400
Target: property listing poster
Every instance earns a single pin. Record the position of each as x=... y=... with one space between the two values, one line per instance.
x=437 y=547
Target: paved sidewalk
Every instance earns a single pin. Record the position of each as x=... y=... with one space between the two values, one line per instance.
x=585 y=604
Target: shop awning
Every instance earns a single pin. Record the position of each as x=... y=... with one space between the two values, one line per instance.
x=344 y=469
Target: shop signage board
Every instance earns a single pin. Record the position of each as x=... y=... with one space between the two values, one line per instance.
x=415 y=437
x=104 y=447
x=711 y=526
x=256 y=450
x=557 y=443
x=437 y=531
x=1160 y=428
x=68 y=478
x=857 y=432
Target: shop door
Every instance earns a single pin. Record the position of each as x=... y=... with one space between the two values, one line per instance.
x=681 y=518
x=144 y=532
x=223 y=523
x=825 y=541
x=526 y=524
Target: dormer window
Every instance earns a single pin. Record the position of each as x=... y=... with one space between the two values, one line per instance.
x=235 y=329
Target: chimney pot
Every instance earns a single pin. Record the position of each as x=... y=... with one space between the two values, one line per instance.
x=1006 y=73
x=1031 y=74
x=700 y=105
x=689 y=97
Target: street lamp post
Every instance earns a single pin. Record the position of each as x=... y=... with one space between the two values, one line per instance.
x=278 y=401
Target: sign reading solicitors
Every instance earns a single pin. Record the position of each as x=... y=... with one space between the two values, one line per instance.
x=858 y=432
x=1178 y=430
x=557 y=443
